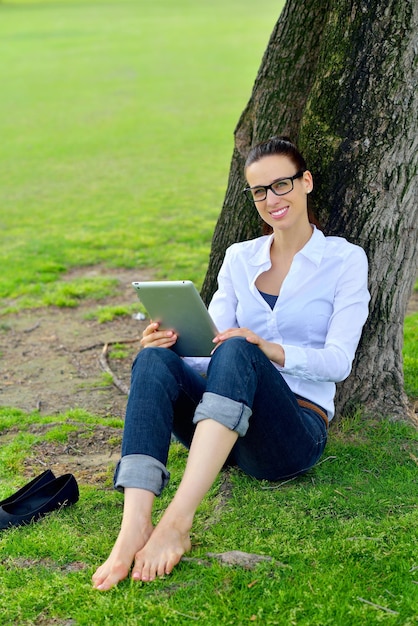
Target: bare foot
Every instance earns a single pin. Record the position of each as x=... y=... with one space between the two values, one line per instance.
x=164 y=549
x=117 y=566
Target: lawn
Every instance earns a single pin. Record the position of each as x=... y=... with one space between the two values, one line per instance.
x=116 y=126
x=340 y=543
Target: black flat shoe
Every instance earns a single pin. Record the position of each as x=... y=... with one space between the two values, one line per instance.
x=55 y=494
x=34 y=484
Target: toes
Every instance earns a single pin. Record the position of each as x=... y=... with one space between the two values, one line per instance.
x=172 y=562
x=105 y=585
x=162 y=570
x=107 y=580
x=137 y=568
x=97 y=576
x=145 y=571
x=156 y=561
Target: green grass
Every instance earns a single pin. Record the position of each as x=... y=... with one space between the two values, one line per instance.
x=108 y=313
x=339 y=537
x=63 y=293
x=116 y=126
x=410 y=355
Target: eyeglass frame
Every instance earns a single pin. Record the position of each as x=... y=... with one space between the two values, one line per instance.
x=246 y=190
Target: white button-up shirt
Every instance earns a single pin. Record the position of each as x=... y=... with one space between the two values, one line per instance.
x=318 y=316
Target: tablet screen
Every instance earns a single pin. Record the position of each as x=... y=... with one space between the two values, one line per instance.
x=178 y=306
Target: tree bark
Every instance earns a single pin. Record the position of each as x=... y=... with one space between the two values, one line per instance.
x=342 y=80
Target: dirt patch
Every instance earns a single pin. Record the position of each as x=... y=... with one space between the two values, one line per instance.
x=49 y=358
x=50 y=362
x=90 y=453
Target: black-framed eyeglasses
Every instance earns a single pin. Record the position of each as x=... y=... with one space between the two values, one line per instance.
x=280 y=187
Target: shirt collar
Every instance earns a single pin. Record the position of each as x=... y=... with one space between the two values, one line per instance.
x=313 y=250
x=262 y=254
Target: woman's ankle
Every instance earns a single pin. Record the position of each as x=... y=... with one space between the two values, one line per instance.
x=176 y=517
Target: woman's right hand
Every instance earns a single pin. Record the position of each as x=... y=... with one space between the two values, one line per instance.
x=152 y=337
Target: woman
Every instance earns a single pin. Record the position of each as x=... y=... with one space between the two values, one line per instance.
x=292 y=305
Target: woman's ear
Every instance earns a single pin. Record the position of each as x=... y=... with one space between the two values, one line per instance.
x=308 y=181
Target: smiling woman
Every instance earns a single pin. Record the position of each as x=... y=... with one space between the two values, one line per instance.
x=267 y=396
x=286 y=190
x=104 y=121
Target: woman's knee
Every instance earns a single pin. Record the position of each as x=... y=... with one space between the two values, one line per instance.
x=148 y=356
x=151 y=360
x=235 y=347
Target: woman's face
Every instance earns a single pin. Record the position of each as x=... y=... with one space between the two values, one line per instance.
x=286 y=211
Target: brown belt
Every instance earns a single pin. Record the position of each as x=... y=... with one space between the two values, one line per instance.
x=310 y=405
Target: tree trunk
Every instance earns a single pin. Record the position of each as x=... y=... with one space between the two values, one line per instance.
x=341 y=80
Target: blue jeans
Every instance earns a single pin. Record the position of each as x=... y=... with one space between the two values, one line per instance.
x=243 y=390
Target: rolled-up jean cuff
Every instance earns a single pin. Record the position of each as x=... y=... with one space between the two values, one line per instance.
x=232 y=414
x=141 y=472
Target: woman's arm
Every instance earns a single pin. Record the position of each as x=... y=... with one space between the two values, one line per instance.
x=333 y=361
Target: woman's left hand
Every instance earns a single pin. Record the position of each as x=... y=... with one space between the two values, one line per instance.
x=273 y=351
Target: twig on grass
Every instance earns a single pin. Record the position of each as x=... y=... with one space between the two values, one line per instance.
x=185 y=615
x=32 y=328
x=119 y=384
x=41 y=462
x=378 y=606
x=284 y=482
x=109 y=343
x=289 y=480
x=328 y=458
x=93 y=346
x=374 y=474
x=340 y=494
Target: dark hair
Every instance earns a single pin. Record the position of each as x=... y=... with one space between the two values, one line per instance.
x=280 y=145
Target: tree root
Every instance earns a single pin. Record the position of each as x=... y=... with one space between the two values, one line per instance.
x=104 y=364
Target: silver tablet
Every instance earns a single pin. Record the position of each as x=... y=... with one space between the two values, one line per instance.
x=177 y=305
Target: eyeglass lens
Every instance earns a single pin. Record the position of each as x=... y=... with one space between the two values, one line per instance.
x=279 y=188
